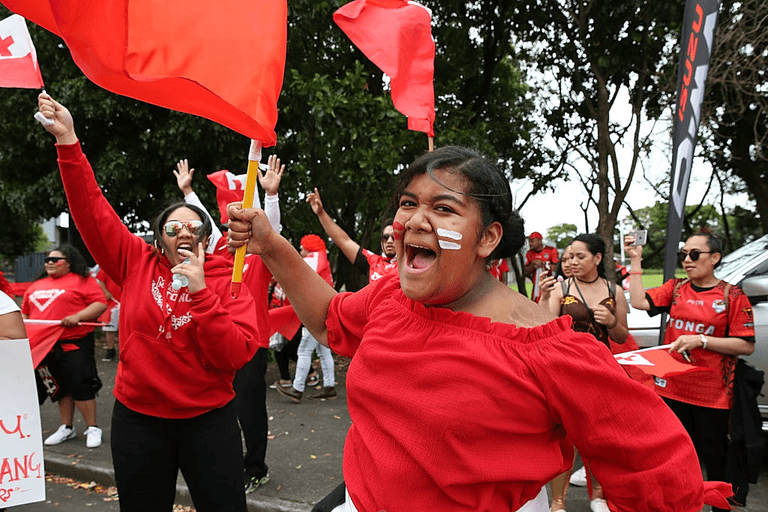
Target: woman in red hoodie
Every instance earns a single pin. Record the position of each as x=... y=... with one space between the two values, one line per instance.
x=181 y=344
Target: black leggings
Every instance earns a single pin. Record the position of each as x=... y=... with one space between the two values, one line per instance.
x=148 y=452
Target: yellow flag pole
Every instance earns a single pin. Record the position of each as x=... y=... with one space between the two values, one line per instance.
x=254 y=157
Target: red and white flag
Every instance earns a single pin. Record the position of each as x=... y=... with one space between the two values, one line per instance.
x=230 y=188
x=221 y=60
x=397 y=36
x=656 y=361
x=18 y=60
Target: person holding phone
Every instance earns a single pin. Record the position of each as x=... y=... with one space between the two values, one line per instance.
x=710 y=325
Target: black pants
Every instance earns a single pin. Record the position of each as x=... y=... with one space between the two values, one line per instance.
x=708 y=429
x=287 y=354
x=148 y=452
x=251 y=398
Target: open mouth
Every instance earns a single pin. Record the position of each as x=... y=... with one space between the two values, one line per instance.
x=419 y=257
x=187 y=247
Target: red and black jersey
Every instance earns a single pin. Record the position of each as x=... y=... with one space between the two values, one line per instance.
x=694 y=310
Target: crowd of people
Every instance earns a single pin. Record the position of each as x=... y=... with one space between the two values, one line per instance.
x=439 y=302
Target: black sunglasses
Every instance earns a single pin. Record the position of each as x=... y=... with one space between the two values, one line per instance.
x=693 y=254
x=174 y=227
x=385 y=237
x=54 y=259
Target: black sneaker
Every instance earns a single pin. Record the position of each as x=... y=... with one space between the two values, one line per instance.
x=110 y=355
x=252 y=483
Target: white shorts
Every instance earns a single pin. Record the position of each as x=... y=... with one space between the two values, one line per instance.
x=114 y=319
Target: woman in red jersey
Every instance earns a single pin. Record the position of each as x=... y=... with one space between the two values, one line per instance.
x=64 y=291
x=492 y=436
x=710 y=324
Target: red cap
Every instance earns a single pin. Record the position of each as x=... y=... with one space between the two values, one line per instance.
x=536 y=234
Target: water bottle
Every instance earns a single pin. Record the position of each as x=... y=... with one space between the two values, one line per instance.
x=179 y=280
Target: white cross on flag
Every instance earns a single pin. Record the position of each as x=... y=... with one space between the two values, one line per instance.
x=18 y=60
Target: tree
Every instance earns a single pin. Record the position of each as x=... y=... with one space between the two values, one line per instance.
x=337 y=128
x=735 y=113
x=597 y=53
x=562 y=234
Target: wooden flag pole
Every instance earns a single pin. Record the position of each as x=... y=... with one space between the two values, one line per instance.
x=254 y=157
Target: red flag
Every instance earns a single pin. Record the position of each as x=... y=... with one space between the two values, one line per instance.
x=42 y=338
x=656 y=361
x=397 y=36
x=230 y=188
x=18 y=60
x=221 y=60
x=285 y=321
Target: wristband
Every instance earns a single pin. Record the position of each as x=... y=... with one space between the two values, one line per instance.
x=635 y=272
x=703 y=342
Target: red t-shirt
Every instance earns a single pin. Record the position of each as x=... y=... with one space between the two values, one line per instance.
x=498 y=267
x=702 y=311
x=53 y=298
x=546 y=254
x=378 y=265
x=421 y=442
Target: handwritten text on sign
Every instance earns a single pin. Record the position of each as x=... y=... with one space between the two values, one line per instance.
x=22 y=474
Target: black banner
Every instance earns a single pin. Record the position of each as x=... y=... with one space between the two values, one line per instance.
x=696 y=48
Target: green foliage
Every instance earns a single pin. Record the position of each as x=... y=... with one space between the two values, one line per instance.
x=562 y=234
x=337 y=127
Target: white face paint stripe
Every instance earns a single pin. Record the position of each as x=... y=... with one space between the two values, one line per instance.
x=449 y=245
x=447 y=233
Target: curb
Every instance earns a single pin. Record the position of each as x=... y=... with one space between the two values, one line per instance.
x=105 y=475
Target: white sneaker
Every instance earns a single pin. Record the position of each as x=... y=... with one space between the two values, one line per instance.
x=64 y=433
x=599 y=505
x=92 y=437
x=579 y=477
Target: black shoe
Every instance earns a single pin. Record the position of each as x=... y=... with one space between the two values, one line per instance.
x=252 y=483
x=291 y=393
x=110 y=355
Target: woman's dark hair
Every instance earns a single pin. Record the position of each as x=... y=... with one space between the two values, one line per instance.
x=157 y=226
x=487 y=185
x=595 y=246
x=714 y=242
x=77 y=264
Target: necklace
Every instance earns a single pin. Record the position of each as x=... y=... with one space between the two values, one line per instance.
x=588 y=282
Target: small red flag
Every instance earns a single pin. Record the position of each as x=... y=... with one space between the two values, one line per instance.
x=230 y=188
x=18 y=60
x=42 y=338
x=657 y=361
x=397 y=36
x=221 y=60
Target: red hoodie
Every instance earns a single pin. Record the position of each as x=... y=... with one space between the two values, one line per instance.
x=178 y=351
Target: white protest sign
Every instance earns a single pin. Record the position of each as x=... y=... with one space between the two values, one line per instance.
x=22 y=473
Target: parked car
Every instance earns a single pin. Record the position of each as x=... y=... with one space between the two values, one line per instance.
x=747 y=268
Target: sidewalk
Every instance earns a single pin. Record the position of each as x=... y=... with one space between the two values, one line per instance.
x=304 y=451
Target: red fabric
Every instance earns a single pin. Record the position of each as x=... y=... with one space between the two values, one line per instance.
x=19 y=289
x=229 y=189
x=18 y=62
x=110 y=285
x=42 y=338
x=179 y=350
x=379 y=266
x=397 y=36
x=421 y=442
x=220 y=60
x=704 y=312
x=285 y=321
x=5 y=286
x=53 y=298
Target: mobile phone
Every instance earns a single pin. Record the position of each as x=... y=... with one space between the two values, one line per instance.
x=641 y=236
x=547 y=268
